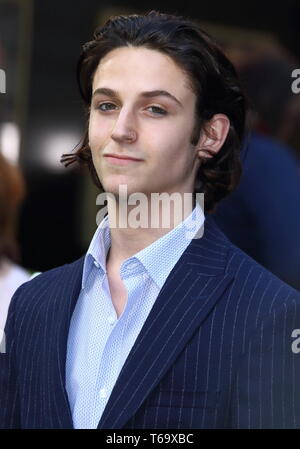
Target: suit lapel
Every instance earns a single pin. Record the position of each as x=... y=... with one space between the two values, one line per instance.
x=195 y=284
x=66 y=295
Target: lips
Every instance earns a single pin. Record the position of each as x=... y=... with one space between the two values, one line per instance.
x=117 y=160
x=126 y=158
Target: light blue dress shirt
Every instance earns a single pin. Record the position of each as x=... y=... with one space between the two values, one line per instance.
x=98 y=341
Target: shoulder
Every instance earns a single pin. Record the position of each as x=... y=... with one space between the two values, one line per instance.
x=42 y=285
x=251 y=282
x=256 y=286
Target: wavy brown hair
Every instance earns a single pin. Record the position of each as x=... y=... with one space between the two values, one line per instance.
x=12 y=191
x=212 y=77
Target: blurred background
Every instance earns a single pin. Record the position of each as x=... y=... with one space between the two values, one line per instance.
x=41 y=117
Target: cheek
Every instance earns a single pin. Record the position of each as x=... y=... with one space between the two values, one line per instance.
x=98 y=132
x=171 y=146
x=94 y=134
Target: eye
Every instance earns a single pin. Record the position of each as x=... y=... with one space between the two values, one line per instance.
x=157 y=110
x=104 y=107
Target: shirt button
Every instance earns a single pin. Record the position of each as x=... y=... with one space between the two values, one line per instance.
x=97 y=265
x=111 y=320
x=103 y=393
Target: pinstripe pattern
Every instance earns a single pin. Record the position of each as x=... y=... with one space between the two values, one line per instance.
x=214 y=352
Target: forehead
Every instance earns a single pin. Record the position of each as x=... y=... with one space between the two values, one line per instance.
x=140 y=68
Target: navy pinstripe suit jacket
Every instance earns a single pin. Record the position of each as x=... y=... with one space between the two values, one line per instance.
x=215 y=352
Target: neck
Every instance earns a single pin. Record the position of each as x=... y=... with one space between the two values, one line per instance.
x=133 y=228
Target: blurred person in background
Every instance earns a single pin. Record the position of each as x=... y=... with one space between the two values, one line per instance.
x=12 y=191
x=262 y=216
x=276 y=107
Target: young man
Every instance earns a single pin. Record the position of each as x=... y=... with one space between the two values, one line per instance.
x=151 y=329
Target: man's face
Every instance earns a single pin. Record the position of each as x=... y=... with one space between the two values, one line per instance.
x=130 y=117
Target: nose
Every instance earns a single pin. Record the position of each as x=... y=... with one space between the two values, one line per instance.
x=124 y=129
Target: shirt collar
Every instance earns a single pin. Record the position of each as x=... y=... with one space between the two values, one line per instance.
x=161 y=256
x=97 y=250
x=158 y=259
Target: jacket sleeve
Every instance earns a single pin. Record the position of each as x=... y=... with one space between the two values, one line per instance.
x=9 y=397
x=267 y=387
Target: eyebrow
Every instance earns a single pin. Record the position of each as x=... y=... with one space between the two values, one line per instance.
x=149 y=94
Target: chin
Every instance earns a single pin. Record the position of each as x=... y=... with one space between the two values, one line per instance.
x=113 y=187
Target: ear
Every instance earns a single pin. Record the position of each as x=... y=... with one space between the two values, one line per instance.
x=213 y=136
